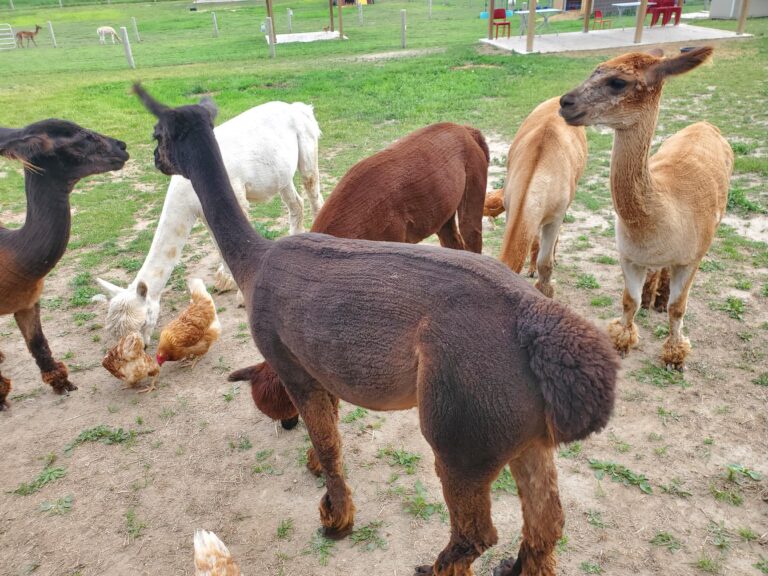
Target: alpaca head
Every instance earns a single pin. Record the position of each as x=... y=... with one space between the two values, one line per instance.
x=622 y=91
x=130 y=310
x=62 y=149
x=174 y=126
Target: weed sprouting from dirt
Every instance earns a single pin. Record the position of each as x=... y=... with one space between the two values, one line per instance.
x=105 y=435
x=369 y=536
x=666 y=540
x=418 y=504
x=400 y=457
x=285 y=529
x=48 y=475
x=620 y=473
x=354 y=415
x=133 y=526
x=59 y=507
x=505 y=482
x=321 y=547
x=570 y=451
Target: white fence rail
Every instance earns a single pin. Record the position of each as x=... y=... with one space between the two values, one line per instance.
x=7 y=39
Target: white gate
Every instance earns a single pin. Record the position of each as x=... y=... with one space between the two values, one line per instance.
x=7 y=38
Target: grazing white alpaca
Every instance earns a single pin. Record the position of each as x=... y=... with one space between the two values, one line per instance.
x=262 y=148
x=104 y=31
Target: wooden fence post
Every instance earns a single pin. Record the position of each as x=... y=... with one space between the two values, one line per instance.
x=743 y=17
x=340 y=3
x=402 y=28
x=136 y=29
x=215 y=25
x=269 y=38
x=53 y=36
x=127 y=46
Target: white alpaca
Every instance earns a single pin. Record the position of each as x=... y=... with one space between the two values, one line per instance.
x=262 y=148
x=104 y=31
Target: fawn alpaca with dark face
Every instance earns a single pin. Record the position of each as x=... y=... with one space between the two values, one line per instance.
x=55 y=154
x=499 y=373
x=29 y=35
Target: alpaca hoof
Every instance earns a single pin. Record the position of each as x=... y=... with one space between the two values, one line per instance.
x=223 y=281
x=333 y=533
x=290 y=423
x=58 y=379
x=673 y=354
x=425 y=570
x=623 y=338
x=509 y=568
x=546 y=289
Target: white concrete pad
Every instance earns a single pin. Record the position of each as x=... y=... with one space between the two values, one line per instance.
x=611 y=38
x=696 y=15
x=305 y=37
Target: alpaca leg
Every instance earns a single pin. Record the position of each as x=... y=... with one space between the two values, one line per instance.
x=53 y=372
x=623 y=331
x=449 y=235
x=649 y=288
x=295 y=204
x=534 y=256
x=546 y=258
x=468 y=497
x=470 y=213
x=320 y=412
x=676 y=347
x=5 y=387
x=662 y=291
x=536 y=476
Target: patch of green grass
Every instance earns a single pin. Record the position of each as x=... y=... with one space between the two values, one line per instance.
x=570 y=451
x=84 y=288
x=321 y=547
x=400 y=457
x=505 y=482
x=659 y=377
x=419 y=505
x=737 y=471
x=568 y=218
x=667 y=416
x=601 y=301
x=48 y=475
x=761 y=380
x=133 y=526
x=104 y=434
x=285 y=529
x=732 y=306
x=354 y=415
x=603 y=259
x=666 y=540
x=739 y=202
x=618 y=444
x=661 y=331
x=743 y=283
x=369 y=536
x=230 y=394
x=764 y=291
x=262 y=466
x=762 y=564
x=747 y=534
x=595 y=518
x=675 y=488
x=59 y=507
x=719 y=536
x=711 y=266
x=708 y=565
x=620 y=473
x=591 y=567
x=587 y=282
x=242 y=444
x=728 y=494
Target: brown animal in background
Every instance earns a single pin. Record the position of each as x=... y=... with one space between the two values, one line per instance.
x=668 y=206
x=494 y=203
x=423 y=184
x=55 y=154
x=545 y=161
x=191 y=334
x=29 y=35
x=500 y=374
x=430 y=181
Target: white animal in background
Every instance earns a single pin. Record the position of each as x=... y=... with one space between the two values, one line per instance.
x=262 y=148
x=104 y=31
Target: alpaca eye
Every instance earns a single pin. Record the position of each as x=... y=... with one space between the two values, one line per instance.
x=617 y=84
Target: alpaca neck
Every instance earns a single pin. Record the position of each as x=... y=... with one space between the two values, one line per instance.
x=180 y=211
x=43 y=239
x=631 y=183
x=240 y=245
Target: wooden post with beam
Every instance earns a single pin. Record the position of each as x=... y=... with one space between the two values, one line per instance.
x=743 y=17
x=491 y=8
x=330 y=9
x=587 y=15
x=531 y=26
x=272 y=34
x=640 y=21
x=340 y=3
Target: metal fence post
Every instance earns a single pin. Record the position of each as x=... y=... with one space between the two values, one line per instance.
x=290 y=21
x=269 y=38
x=430 y=9
x=127 y=46
x=53 y=36
x=12 y=6
x=215 y=25
x=359 y=13
x=402 y=28
x=135 y=29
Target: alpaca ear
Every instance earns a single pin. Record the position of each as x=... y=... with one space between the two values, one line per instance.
x=141 y=290
x=208 y=103
x=111 y=289
x=681 y=64
x=150 y=103
x=15 y=146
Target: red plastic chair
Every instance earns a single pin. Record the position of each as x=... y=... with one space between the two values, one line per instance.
x=600 y=20
x=500 y=21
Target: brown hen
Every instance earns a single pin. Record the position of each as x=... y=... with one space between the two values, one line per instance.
x=191 y=334
x=212 y=558
x=128 y=361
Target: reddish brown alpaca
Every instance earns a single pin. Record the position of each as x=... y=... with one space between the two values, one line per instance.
x=55 y=155
x=421 y=185
x=499 y=373
x=29 y=35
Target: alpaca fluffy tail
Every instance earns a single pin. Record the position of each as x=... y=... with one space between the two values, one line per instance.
x=212 y=558
x=480 y=139
x=575 y=365
x=268 y=393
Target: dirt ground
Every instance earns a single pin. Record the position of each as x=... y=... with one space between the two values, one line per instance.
x=202 y=456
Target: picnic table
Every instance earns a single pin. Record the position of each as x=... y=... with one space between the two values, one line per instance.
x=620 y=6
x=545 y=12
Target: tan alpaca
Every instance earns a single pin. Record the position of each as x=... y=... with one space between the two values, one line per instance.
x=669 y=205
x=545 y=161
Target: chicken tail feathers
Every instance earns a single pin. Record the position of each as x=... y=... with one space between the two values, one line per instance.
x=212 y=558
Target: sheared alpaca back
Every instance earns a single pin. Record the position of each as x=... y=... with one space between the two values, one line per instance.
x=212 y=558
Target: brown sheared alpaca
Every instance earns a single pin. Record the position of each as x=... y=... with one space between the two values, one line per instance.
x=430 y=181
x=29 y=35
x=421 y=185
x=55 y=154
x=545 y=161
x=499 y=373
x=669 y=205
